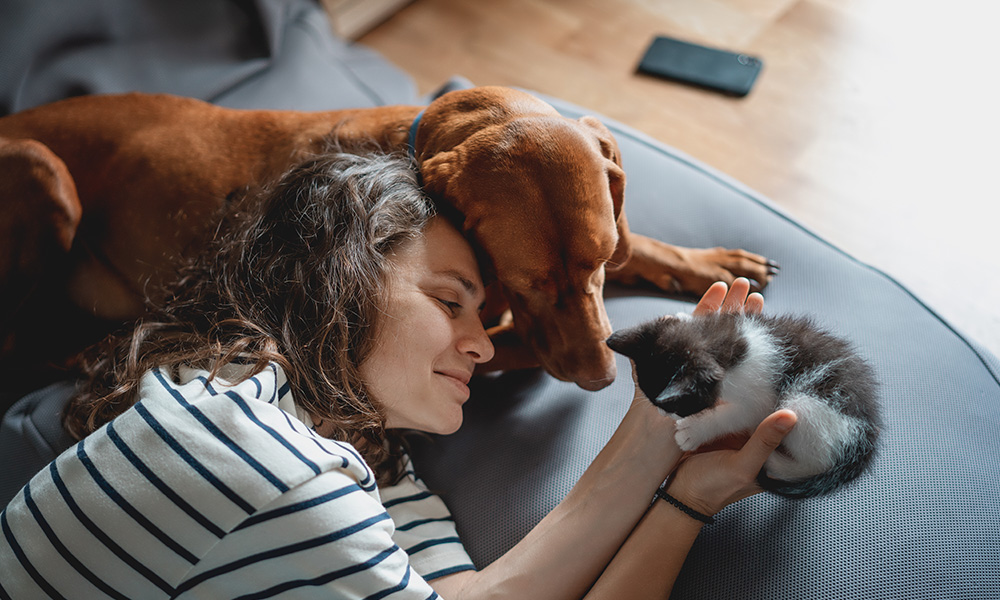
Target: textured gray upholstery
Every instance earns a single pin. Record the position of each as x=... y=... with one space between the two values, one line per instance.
x=239 y=53
x=922 y=524
x=31 y=436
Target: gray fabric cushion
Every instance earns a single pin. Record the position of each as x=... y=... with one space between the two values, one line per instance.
x=239 y=53
x=31 y=436
x=922 y=524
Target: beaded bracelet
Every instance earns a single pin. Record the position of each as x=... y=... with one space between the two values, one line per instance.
x=661 y=493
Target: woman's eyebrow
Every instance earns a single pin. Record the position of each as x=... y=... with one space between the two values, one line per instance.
x=464 y=281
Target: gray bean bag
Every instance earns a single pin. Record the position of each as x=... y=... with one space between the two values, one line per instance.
x=923 y=523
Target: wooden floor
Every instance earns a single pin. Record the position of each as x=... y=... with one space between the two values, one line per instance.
x=874 y=122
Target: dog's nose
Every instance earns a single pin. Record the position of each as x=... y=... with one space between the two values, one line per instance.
x=591 y=383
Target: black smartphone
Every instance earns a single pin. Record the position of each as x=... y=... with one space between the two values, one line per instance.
x=728 y=72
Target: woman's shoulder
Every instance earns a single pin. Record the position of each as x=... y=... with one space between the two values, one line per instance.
x=251 y=422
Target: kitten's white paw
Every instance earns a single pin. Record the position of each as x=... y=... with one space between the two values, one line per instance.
x=684 y=436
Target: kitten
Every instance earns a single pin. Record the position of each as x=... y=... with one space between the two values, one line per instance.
x=724 y=373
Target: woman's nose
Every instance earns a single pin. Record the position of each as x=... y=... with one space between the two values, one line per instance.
x=476 y=343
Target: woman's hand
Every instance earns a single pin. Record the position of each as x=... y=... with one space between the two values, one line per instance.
x=710 y=481
x=726 y=470
x=733 y=300
x=718 y=297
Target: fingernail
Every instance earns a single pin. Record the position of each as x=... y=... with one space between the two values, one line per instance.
x=785 y=422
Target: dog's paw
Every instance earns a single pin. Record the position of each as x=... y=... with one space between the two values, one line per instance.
x=685 y=435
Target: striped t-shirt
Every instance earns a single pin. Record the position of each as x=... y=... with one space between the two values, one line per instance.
x=212 y=490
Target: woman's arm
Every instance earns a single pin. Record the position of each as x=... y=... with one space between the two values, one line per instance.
x=650 y=560
x=569 y=549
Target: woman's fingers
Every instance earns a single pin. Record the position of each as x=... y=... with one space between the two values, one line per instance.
x=755 y=304
x=712 y=300
x=737 y=295
x=764 y=440
x=732 y=299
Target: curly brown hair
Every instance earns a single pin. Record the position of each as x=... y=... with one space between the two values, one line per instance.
x=295 y=274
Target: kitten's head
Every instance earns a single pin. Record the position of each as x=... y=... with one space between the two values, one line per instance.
x=674 y=366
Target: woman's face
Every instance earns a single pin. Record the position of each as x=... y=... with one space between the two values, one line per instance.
x=431 y=337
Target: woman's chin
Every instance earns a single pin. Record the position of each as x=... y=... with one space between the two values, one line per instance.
x=451 y=426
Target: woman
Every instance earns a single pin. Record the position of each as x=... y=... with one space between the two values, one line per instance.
x=244 y=442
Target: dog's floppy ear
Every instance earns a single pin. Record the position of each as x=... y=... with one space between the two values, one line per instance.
x=616 y=185
x=437 y=172
x=42 y=210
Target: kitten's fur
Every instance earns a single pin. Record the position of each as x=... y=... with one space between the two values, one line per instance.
x=724 y=373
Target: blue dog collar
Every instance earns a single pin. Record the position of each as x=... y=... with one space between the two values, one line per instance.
x=411 y=143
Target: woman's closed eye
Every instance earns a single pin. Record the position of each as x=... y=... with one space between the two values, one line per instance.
x=452 y=307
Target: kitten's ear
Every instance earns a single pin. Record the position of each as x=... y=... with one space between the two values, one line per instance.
x=629 y=342
x=636 y=341
x=694 y=388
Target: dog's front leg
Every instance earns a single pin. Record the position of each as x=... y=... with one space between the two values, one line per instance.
x=690 y=270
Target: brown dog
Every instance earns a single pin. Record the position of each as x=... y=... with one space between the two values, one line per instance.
x=103 y=194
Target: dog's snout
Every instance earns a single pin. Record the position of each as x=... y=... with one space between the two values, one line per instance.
x=598 y=372
x=592 y=385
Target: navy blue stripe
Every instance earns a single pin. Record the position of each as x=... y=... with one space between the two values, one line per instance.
x=221 y=435
x=320 y=443
x=412 y=524
x=4 y=595
x=298 y=506
x=284 y=389
x=260 y=389
x=130 y=510
x=399 y=586
x=431 y=543
x=282 y=551
x=405 y=499
x=368 y=483
x=274 y=390
x=167 y=491
x=101 y=536
x=192 y=461
x=21 y=558
x=64 y=551
x=449 y=571
x=271 y=431
x=208 y=386
x=301 y=428
x=322 y=579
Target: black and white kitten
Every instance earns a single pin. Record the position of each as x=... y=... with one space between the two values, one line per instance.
x=724 y=373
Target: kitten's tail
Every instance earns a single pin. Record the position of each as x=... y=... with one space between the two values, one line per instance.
x=853 y=461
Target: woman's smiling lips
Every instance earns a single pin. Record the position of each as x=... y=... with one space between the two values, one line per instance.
x=460 y=379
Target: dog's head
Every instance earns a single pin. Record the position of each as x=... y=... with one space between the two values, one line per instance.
x=542 y=196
